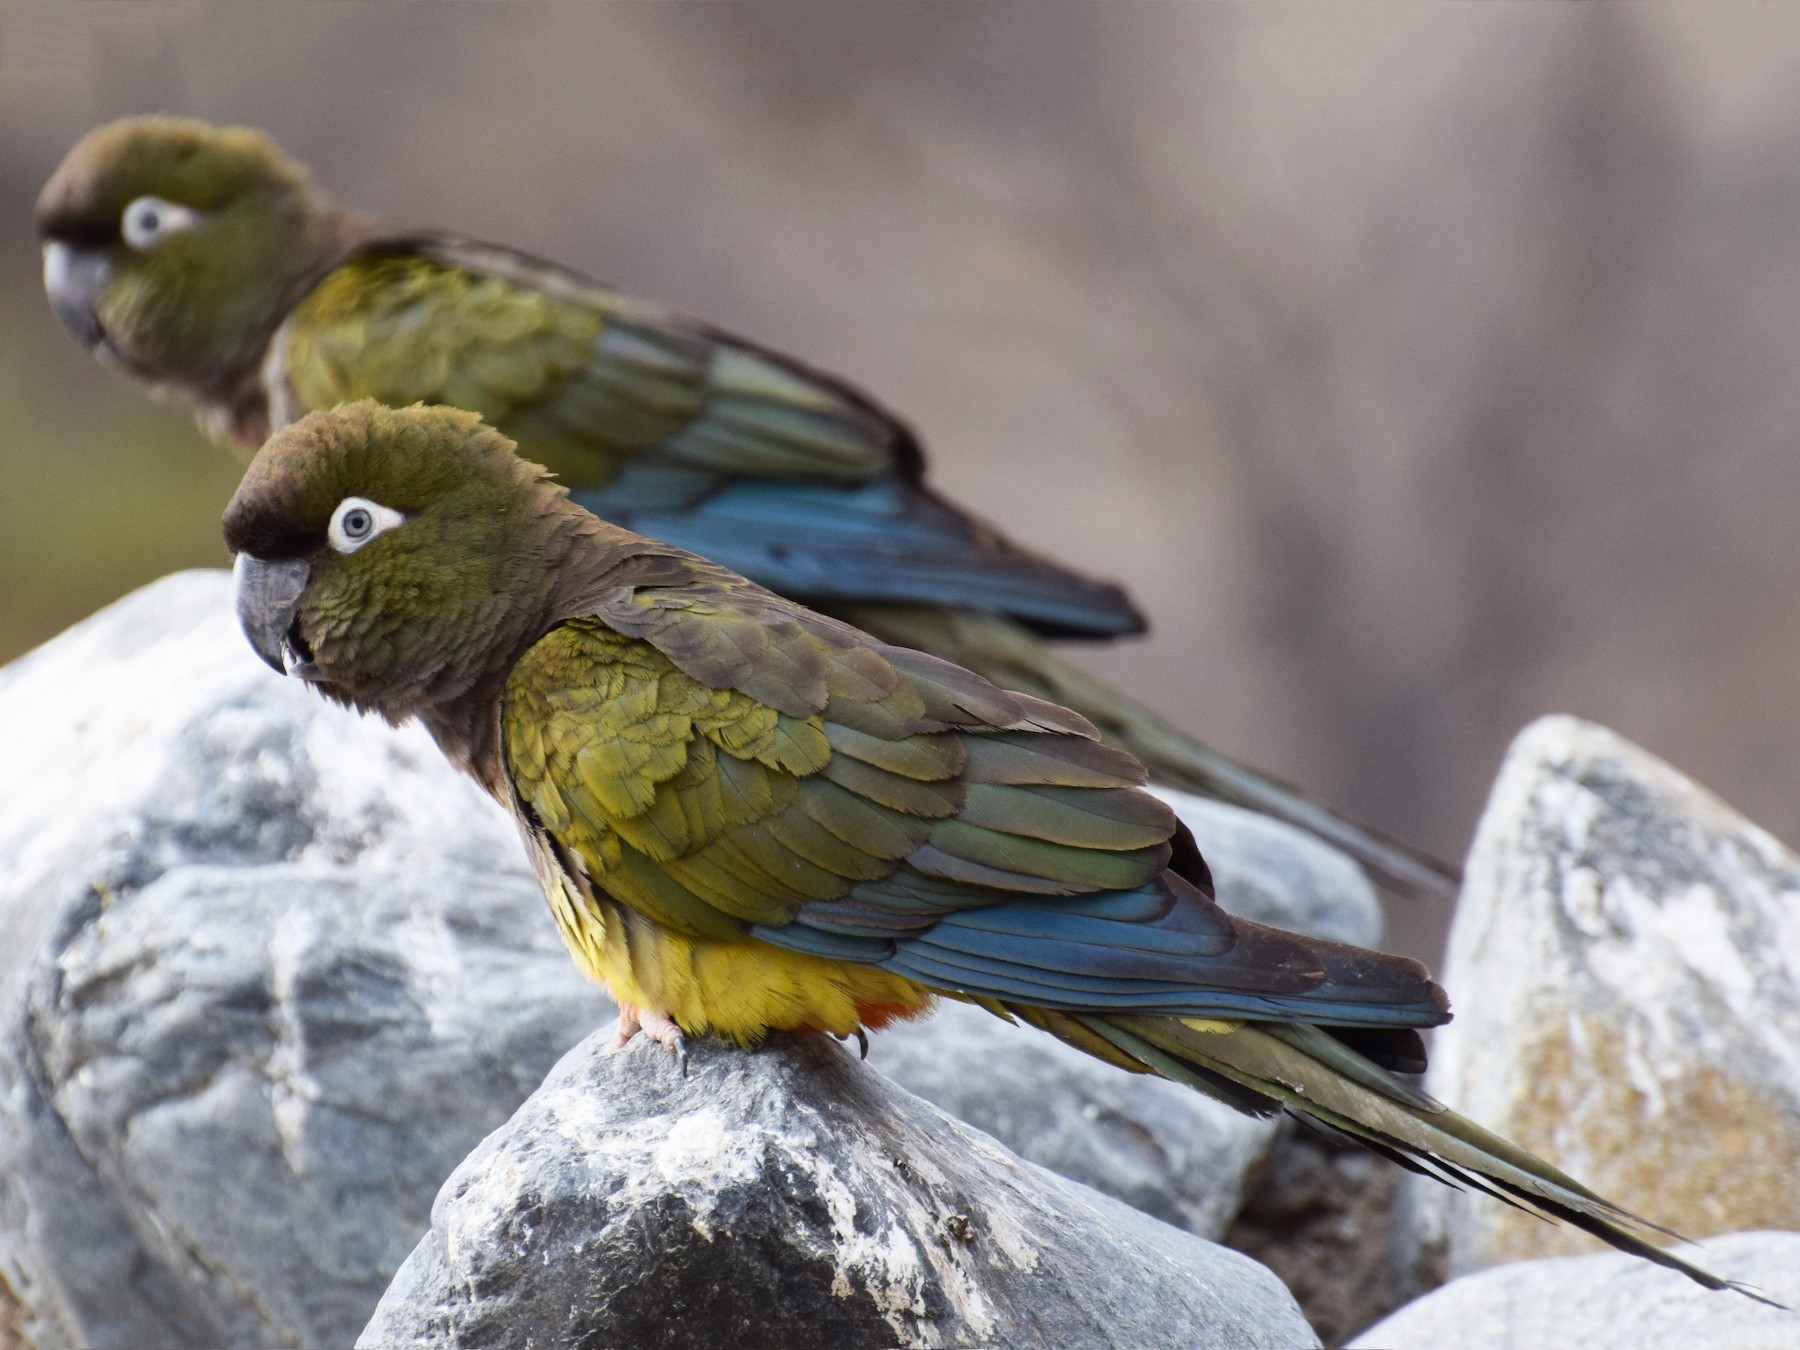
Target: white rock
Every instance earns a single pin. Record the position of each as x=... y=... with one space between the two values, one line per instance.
x=1609 y=1302
x=271 y=970
x=793 y=1197
x=1625 y=969
x=1156 y=1145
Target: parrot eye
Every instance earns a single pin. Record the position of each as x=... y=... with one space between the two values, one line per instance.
x=358 y=520
x=150 y=219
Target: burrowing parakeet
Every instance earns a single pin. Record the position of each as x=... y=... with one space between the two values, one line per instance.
x=201 y=260
x=748 y=816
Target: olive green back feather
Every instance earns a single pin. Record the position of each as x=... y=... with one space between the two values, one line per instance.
x=687 y=748
x=719 y=758
x=586 y=377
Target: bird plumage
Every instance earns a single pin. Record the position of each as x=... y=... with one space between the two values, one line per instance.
x=273 y=301
x=748 y=816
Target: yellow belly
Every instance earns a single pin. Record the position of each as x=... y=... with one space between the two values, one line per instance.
x=738 y=989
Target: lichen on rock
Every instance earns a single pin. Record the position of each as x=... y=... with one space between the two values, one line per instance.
x=1625 y=972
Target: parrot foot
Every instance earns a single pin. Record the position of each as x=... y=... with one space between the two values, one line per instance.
x=659 y=1027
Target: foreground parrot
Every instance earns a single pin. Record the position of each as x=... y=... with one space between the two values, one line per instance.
x=748 y=816
x=202 y=261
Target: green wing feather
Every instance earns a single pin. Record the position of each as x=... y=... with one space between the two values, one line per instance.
x=719 y=758
x=1255 y=1067
x=586 y=377
x=901 y=812
x=591 y=382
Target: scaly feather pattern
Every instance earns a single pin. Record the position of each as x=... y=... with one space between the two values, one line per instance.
x=885 y=814
x=748 y=816
x=261 y=299
x=691 y=436
x=1011 y=655
x=668 y=427
x=731 y=765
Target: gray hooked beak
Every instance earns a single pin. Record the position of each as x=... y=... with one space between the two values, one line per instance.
x=268 y=598
x=72 y=279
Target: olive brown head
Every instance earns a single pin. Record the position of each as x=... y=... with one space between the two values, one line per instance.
x=172 y=247
x=393 y=557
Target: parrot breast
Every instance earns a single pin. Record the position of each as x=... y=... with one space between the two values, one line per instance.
x=737 y=989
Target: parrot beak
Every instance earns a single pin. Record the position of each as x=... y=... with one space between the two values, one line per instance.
x=72 y=279
x=268 y=598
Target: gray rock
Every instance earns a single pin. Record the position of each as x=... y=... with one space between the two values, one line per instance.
x=792 y=1197
x=1156 y=1145
x=1275 y=874
x=1609 y=1302
x=1625 y=966
x=1319 y=1212
x=270 y=972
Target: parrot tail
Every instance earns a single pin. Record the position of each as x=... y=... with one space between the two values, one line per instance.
x=1013 y=657
x=1262 y=1067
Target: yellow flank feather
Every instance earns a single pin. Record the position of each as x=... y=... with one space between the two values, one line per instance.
x=739 y=989
x=667 y=799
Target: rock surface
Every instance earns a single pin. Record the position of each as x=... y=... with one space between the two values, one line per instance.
x=271 y=970
x=1625 y=966
x=793 y=1197
x=1610 y=1302
x=1319 y=1212
x=1155 y=1145
x=263 y=987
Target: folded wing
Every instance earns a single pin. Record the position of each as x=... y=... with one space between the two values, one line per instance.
x=729 y=764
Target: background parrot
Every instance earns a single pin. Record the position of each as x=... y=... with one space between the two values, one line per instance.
x=201 y=260
x=747 y=816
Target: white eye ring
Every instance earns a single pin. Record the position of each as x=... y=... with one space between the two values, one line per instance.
x=358 y=520
x=151 y=219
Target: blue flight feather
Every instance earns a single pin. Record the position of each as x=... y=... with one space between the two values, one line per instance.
x=877 y=540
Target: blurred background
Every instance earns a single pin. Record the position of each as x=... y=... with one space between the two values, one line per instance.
x=1421 y=368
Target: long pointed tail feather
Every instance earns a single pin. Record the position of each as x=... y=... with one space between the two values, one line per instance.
x=1317 y=1078
x=1012 y=656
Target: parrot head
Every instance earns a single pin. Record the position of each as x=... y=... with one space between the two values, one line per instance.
x=172 y=247
x=393 y=557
